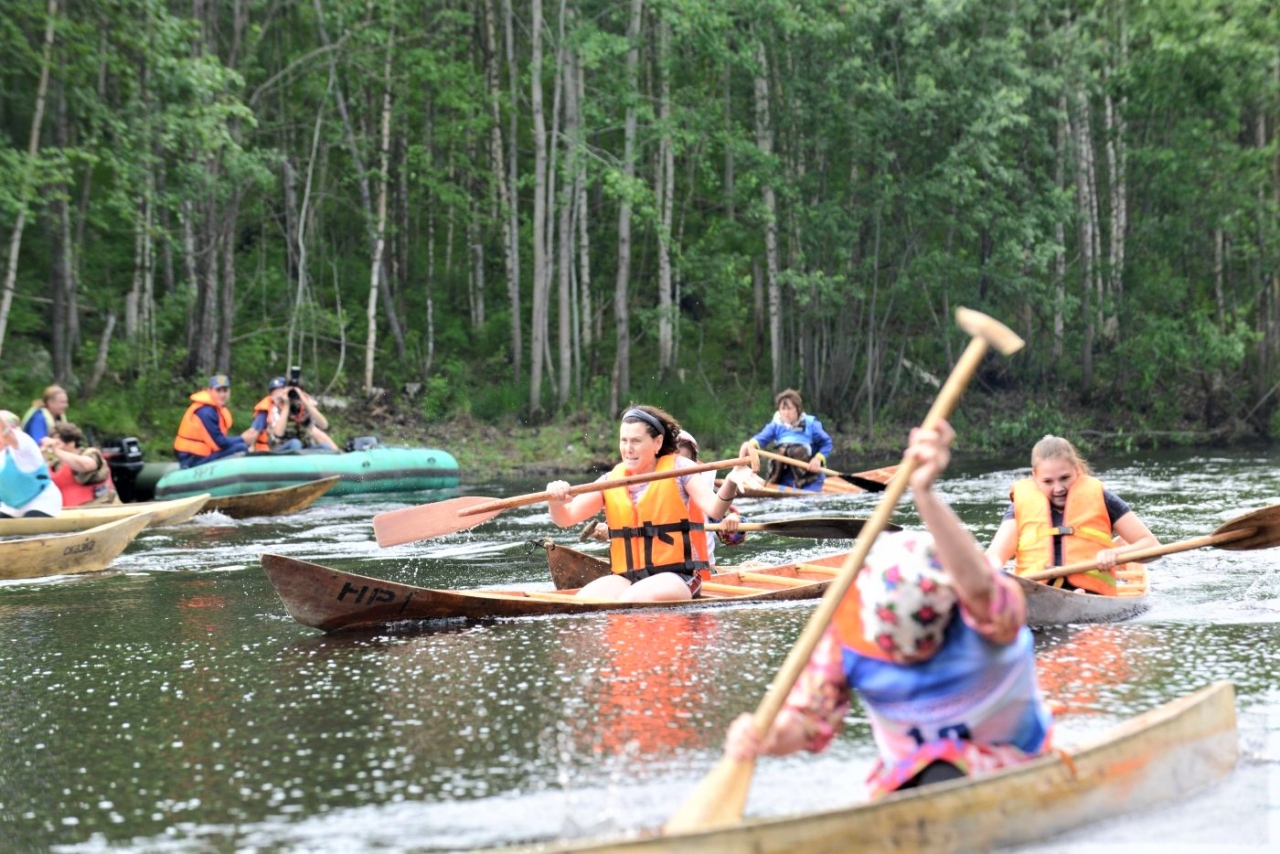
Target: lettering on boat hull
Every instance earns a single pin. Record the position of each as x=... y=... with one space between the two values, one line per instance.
x=80 y=548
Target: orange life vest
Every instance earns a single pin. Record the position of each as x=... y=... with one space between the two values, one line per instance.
x=658 y=533
x=193 y=438
x=263 y=442
x=75 y=493
x=1085 y=531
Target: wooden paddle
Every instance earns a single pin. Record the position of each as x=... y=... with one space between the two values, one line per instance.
x=425 y=521
x=862 y=480
x=800 y=527
x=719 y=799
x=1257 y=530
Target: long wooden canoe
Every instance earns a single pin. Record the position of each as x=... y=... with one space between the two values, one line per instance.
x=1053 y=606
x=83 y=518
x=831 y=485
x=333 y=600
x=272 y=502
x=1160 y=756
x=65 y=554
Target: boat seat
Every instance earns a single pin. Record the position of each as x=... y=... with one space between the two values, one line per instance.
x=780 y=580
x=731 y=589
x=820 y=570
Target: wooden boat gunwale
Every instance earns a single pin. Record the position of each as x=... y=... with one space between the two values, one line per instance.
x=76 y=519
x=68 y=554
x=1163 y=754
x=335 y=600
x=1053 y=606
x=272 y=502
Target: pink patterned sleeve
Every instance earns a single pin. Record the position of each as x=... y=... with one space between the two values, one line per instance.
x=1008 y=611
x=820 y=698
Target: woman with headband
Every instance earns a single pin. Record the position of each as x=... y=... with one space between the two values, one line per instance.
x=658 y=546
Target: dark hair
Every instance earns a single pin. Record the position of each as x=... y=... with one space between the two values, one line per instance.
x=644 y=414
x=68 y=432
x=791 y=395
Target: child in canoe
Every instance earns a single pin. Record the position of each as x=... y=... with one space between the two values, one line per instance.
x=1062 y=515
x=934 y=641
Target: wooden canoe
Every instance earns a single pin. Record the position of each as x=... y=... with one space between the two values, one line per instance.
x=65 y=554
x=1053 y=606
x=1157 y=757
x=333 y=600
x=83 y=518
x=272 y=502
x=831 y=485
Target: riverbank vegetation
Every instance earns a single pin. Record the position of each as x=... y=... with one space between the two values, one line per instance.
x=496 y=223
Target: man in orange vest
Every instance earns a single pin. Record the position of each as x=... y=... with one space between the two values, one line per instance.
x=203 y=434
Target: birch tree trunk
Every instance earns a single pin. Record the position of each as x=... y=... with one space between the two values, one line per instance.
x=621 y=386
x=1087 y=235
x=568 y=195
x=590 y=329
x=498 y=169
x=513 y=184
x=380 y=231
x=665 y=181
x=1060 y=235
x=773 y=288
x=33 y=148
x=538 y=317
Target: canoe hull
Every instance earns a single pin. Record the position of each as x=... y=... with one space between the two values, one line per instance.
x=1160 y=756
x=67 y=554
x=334 y=600
x=83 y=518
x=1053 y=606
x=272 y=502
x=358 y=472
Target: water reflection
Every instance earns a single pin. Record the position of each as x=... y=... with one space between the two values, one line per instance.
x=172 y=704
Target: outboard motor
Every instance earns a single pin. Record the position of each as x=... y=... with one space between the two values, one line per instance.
x=362 y=443
x=125 y=458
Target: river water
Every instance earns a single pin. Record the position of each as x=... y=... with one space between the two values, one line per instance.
x=170 y=703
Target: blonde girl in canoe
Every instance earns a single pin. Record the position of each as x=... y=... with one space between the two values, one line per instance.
x=658 y=545
x=934 y=640
x=1062 y=515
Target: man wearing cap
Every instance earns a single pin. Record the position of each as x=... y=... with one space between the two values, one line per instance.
x=202 y=434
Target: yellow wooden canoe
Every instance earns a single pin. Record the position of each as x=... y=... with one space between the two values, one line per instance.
x=64 y=554
x=1156 y=757
x=83 y=518
x=272 y=502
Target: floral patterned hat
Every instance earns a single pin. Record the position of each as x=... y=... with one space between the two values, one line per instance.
x=907 y=598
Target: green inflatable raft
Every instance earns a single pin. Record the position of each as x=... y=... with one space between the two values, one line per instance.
x=375 y=469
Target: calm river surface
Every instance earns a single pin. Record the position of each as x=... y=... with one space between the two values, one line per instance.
x=170 y=704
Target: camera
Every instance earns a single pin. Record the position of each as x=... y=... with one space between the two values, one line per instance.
x=295 y=375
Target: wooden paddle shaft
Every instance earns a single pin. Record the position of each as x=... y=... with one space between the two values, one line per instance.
x=719 y=800
x=601 y=485
x=783 y=458
x=1144 y=554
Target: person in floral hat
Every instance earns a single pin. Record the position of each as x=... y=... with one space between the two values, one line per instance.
x=933 y=639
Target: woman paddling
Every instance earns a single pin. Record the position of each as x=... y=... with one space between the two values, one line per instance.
x=934 y=640
x=26 y=488
x=1062 y=515
x=799 y=436
x=658 y=543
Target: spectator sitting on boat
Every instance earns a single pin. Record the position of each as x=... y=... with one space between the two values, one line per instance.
x=81 y=473
x=202 y=433
x=49 y=410
x=270 y=419
x=658 y=545
x=294 y=420
x=687 y=447
x=934 y=640
x=798 y=436
x=1041 y=528
x=26 y=489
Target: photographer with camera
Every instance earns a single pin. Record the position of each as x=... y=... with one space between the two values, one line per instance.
x=288 y=419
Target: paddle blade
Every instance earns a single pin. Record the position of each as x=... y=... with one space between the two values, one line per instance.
x=718 y=801
x=815 y=527
x=1266 y=525
x=410 y=524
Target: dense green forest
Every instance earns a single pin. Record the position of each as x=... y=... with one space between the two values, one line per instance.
x=495 y=208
